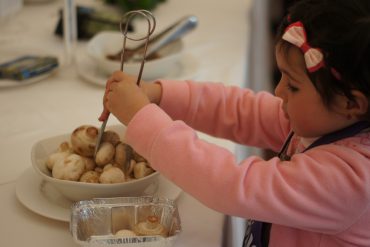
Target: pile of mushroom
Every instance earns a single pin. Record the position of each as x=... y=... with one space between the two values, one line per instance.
x=150 y=227
x=115 y=161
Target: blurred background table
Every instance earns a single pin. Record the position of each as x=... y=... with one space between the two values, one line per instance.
x=63 y=101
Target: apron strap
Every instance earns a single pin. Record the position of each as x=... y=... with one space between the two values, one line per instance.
x=261 y=230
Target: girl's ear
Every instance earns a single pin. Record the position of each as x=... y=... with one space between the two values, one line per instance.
x=359 y=105
x=352 y=109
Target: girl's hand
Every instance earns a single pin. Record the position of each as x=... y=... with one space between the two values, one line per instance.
x=123 y=98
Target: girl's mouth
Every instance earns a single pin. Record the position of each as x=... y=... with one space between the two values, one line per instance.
x=285 y=113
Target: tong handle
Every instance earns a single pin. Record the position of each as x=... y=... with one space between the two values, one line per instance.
x=124 y=29
x=100 y=136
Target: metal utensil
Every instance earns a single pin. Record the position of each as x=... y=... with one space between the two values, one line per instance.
x=125 y=22
x=174 y=32
x=170 y=34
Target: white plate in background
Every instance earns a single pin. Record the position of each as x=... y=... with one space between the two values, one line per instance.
x=87 y=68
x=42 y=198
x=110 y=42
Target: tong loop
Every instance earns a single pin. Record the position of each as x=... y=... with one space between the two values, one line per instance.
x=151 y=26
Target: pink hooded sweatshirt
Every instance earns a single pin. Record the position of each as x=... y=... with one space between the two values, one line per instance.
x=319 y=198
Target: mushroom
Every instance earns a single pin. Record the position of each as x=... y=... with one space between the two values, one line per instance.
x=111 y=175
x=122 y=154
x=142 y=170
x=65 y=147
x=137 y=157
x=90 y=177
x=69 y=168
x=63 y=151
x=99 y=169
x=54 y=157
x=130 y=170
x=111 y=136
x=125 y=233
x=151 y=227
x=105 y=154
x=83 y=140
x=89 y=164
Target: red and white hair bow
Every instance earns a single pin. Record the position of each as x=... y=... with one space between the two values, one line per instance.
x=296 y=35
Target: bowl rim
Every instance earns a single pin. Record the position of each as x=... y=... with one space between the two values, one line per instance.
x=36 y=163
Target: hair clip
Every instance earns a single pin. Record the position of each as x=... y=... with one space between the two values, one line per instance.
x=295 y=34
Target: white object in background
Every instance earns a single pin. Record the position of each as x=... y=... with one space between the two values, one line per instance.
x=69 y=30
x=110 y=43
x=76 y=191
x=188 y=67
x=42 y=198
x=9 y=7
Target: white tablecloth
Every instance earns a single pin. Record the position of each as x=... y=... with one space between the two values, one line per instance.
x=64 y=101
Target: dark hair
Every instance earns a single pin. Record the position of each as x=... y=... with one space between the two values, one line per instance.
x=341 y=29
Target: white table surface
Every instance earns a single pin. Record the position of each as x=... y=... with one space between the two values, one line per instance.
x=64 y=101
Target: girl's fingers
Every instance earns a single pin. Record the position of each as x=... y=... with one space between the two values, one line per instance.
x=108 y=84
x=117 y=76
x=105 y=114
x=112 y=83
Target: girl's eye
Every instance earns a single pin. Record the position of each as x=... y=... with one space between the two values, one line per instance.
x=292 y=88
x=287 y=81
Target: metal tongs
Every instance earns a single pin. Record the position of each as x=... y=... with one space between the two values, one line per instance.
x=174 y=32
x=125 y=22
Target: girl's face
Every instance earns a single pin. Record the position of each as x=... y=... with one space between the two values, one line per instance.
x=302 y=104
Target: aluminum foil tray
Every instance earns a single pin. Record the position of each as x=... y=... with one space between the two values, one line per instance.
x=95 y=222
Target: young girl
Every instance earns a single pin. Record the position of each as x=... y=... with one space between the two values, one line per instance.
x=317 y=192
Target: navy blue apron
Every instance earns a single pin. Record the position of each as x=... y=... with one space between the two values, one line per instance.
x=257 y=233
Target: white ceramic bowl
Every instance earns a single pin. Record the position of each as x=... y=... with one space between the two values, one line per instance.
x=77 y=191
x=110 y=43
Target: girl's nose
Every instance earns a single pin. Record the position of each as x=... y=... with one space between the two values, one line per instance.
x=279 y=90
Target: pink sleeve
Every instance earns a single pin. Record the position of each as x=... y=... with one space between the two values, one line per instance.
x=230 y=112
x=314 y=191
